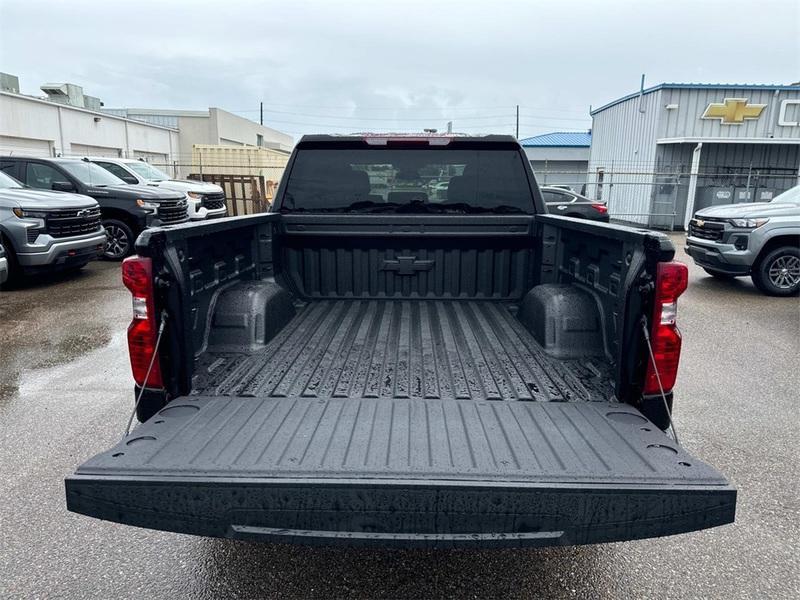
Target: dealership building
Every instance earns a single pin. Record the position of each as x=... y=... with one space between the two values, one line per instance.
x=660 y=154
x=560 y=157
x=67 y=122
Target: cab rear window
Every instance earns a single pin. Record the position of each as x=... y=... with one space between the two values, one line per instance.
x=408 y=180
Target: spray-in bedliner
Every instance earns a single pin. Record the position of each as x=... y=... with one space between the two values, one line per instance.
x=404 y=349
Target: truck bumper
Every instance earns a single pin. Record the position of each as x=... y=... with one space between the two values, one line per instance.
x=719 y=257
x=64 y=254
x=204 y=213
x=331 y=471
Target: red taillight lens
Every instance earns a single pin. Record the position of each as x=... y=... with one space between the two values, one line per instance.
x=137 y=276
x=672 y=279
x=601 y=208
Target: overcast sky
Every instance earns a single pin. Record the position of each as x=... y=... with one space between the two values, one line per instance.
x=343 y=66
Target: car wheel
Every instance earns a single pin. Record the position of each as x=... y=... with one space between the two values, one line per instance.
x=119 y=240
x=719 y=274
x=14 y=270
x=778 y=273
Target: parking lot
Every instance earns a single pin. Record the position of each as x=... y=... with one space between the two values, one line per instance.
x=66 y=393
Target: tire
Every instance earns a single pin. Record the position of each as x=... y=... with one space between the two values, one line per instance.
x=778 y=272
x=14 y=270
x=719 y=274
x=119 y=240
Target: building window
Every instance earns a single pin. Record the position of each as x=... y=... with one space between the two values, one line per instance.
x=259 y=140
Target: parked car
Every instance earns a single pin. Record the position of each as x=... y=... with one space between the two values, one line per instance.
x=354 y=369
x=206 y=200
x=760 y=239
x=42 y=230
x=567 y=203
x=3 y=265
x=126 y=209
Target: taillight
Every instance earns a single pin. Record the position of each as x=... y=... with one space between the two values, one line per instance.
x=672 y=278
x=601 y=208
x=137 y=275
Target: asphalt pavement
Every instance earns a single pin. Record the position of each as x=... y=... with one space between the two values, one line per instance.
x=66 y=393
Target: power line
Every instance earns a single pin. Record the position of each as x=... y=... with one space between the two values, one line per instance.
x=400 y=109
x=427 y=117
x=392 y=108
x=421 y=118
x=458 y=122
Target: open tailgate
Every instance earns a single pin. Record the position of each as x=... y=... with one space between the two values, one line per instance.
x=401 y=472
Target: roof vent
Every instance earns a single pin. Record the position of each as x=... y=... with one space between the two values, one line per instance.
x=65 y=93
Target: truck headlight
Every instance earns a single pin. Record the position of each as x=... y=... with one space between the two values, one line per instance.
x=29 y=214
x=146 y=205
x=195 y=195
x=748 y=223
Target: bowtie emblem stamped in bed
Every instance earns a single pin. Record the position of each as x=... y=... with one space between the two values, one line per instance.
x=407 y=265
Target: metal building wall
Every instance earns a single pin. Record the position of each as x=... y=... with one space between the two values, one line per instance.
x=685 y=121
x=624 y=146
x=561 y=172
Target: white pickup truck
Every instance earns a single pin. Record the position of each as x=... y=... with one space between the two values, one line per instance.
x=205 y=200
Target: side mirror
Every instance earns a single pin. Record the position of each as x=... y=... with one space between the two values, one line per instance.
x=62 y=186
x=130 y=180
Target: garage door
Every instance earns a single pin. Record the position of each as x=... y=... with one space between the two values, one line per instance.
x=24 y=146
x=87 y=150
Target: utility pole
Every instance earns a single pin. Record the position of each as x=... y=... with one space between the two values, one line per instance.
x=449 y=127
x=517 y=121
x=261 y=120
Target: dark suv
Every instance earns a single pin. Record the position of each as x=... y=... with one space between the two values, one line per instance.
x=126 y=209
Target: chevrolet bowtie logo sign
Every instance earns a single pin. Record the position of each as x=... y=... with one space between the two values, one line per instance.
x=733 y=111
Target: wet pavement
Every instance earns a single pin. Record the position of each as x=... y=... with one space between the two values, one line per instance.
x=65 y=394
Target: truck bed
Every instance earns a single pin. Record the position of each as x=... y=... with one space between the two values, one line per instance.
x=474 y=350
x=396 y=421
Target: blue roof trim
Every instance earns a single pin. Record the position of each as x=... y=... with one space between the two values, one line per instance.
x=698 y=86
x=559 y=139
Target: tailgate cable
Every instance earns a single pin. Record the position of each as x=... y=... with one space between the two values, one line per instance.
x=147 y=376
x=658 y=379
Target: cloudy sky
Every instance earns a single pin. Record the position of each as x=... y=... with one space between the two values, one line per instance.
x=343 y=66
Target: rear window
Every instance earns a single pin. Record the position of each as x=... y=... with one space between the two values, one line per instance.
x=408 y=180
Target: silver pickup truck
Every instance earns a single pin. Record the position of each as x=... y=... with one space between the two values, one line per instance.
x=760 y=239
x=44 y=231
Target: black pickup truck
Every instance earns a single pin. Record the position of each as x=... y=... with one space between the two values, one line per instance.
x=390 y=369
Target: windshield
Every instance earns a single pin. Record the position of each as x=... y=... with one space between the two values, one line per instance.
x=90 y=174
x=408 y=180
x=147 y=171
x=6 y=182
x=792 y=195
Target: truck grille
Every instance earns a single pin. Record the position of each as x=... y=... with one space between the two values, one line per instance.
x=173 y=211
x=214 y=201
x=68 y=223
x=706 y=229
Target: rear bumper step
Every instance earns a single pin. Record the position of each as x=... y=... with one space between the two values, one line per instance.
x=405 y=514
